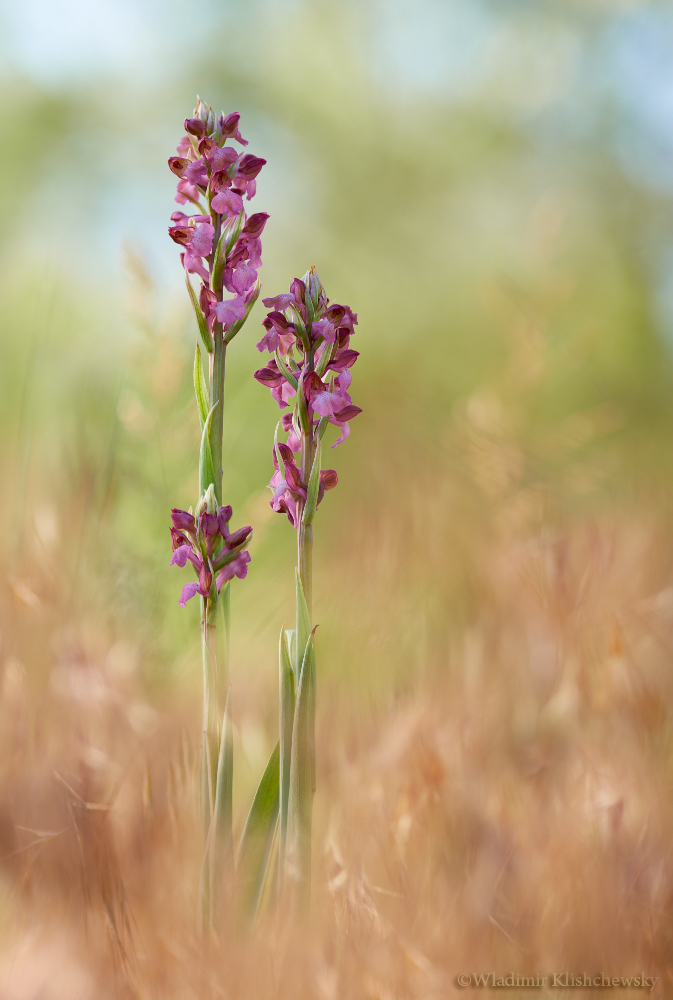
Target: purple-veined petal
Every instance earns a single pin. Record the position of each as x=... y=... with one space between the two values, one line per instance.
x=188 y=592
x=327 y=403
x=195 y=127
x=237 y=567
x=255 y=225
x=194 y=265
x=182 y=519
x=343 y=381
x=294 y=441
x=254 y=250
x=345 y=431
x=238 y=537
x=208 y=524
x=229 y=127
x=279 y=302
x=227 y=203
x=178 y=165
x=202 y=240
x=329 y=478
x=223 y=518
x=197 y=173
x=343 y=360
x=243 y=277
x=269 y=341
x=180 y=555
x=347 y=413
x=323 y=328
x=186 y=192
x=230 y=310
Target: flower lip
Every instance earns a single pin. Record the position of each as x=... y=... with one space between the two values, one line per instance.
x=237 y=567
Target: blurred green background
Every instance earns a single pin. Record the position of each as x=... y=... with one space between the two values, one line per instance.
x=489 y=185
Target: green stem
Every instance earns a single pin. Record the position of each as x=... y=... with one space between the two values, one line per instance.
x=205 y=785
x=214 y=660
x=302 y=776
x=305 y=531
x=217 y=370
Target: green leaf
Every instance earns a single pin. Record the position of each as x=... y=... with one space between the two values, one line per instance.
x=302 y=409
x=321 y=428
x=219 y=261
x=279 y=457
x=291 y=635
x=225 y=781
x=206 y=465
x=303 y=626
x=200 y=388
x=235 y=327
x=232 y=231
x=286 y=371
x=254 y=850
x=220 y=841
x=302 y=782
x=287 y=705
x=228 y=237
x=313 y=488
x=206 y=336
x=324 y=360
x=228 y=555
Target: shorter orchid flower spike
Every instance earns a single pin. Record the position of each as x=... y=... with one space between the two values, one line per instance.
x=310 y=369
x=204 y=540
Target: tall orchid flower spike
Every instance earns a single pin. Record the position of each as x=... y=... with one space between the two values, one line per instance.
x=309 y=371
x=221 y=246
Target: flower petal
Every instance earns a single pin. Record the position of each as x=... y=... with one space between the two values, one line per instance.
x=181 y=555
x=188 y=592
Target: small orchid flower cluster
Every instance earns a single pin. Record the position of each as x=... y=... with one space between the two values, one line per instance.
x=318 y=377
x=205 y=540
x=222 y=246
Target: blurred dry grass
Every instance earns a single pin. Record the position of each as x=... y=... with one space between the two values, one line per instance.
x=510 y=809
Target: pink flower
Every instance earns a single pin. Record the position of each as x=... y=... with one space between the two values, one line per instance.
x=212 y=549
x=230 y=310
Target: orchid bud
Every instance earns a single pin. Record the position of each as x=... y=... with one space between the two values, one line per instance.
x=207 y=502
x=315 y=293
x=201 y=110
x=208 y=524
x=211 y=502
